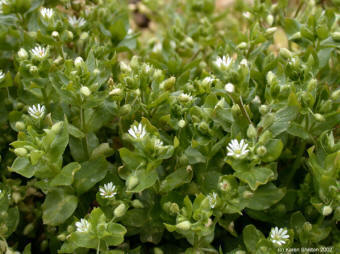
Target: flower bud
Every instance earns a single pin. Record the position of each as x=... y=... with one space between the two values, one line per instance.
x=247 y=194
x=173 y=208
x=185 y=225
x=327 y=210
x=261 y=151
x=319 y=117
x=20 y=125
x=132 y=182
x=120 y=210
x=136 y=203
x=336 y=95
x=61 y=237
x=251 y=132
x=267 y=120
x=85 y=91
x=271 y=78
x=263 y=109
x=270 y=19
x=256 y=100
x=326 y=106
x=28 y=229
x=285 y=53
x=56 y=128
x=235 y=110
x=55 y=34
x=296 y=36
x=83 y=36
x=230 y=88
x=158 y=75
x=96 y=71
x=242 y=45
x=20 y=151
x=78 y=62
x=134 y=63
x=271 y=30
x=203 y=127
x=168 y=83
x=265 y=137
x=124 y=67
x=22 y=54
x=307 y=226
x=33 y=69
x=336 y=36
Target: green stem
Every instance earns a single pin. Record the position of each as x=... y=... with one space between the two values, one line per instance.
x=297 y=163
x=82 y=126
x=98 y=246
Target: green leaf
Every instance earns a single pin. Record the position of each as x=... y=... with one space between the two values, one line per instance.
x=194 y=156
x=176 y=179
x=274 y=149
x=255 y=176
x=146 y=179
x=58 y=206
x=116 y=234
x=103 y=149
x=91 y=172
x=131 y=159
x=65 y=177
x=282 y=119
x=22 y=166
x=84 y=239
x=298 y=131
x=265 y=196
x=251 y=236
x=12 y=221
x=75 y=132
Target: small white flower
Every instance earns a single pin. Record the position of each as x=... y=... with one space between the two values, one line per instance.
x=78 y=61
x=237 y=149
x=279 y=236
x=2 y=75
x=244 y=62
x=76 y=22
x=83 y=226
x=55 y=34
x=223 y=63
x=39 y=52
x=230 y=88
x=212 y=199
x=207 y=80
x=185 y=97
x=116 y=91
x=137 y=132
x=157 y=47
x=247 y=14
x=158 y=143
x=36 y=111
x=108 y=190
x=46 y=13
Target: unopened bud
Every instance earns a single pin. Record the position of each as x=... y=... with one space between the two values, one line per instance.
x=235 y=110
x=263 y=109
x=85 y=91
x=20 y=151
x=20 y=125
x=168 y=83
x=265 y=137
x=120 y=210
x=285 y=53
x=327 y=210
x=56 y=128
x=116 y=92
x=307 y=226
x=83 y=36
x=124 y=67
x=132 y=182
x=181 y=123
x=270 y=19
x=271 y=30
x=230 y=88
x=261 y=151
x=55 y=34
x=78 y=62
x=242 y=45
x=61 y=237
x=33 y=69
x=22 y=54
x=336 y=95
x=319 y=117
x=28 y=229
x=247 y=194
x=336 y=36
x=312 y=85
x=271 y=78
x=251 y=132
x=137 y=203
x=185 y=225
